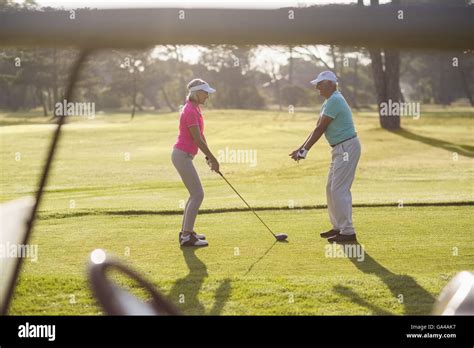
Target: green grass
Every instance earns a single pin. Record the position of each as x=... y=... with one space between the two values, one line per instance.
x=408 y=251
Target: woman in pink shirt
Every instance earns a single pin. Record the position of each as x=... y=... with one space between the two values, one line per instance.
x=190 y=139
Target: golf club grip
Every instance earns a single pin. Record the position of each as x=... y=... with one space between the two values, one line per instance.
x=242 y=198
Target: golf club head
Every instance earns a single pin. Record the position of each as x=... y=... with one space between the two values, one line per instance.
x=281 y=237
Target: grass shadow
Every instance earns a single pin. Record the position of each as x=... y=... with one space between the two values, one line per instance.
x=461 y=149
x=221 y=297
x=260 y=258
x=415 y=299
x=185 y=291
x=355 y=298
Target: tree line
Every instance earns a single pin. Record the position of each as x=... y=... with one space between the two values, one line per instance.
x=156 y=78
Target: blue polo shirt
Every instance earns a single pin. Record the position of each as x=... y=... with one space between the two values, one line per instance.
x=342 y=125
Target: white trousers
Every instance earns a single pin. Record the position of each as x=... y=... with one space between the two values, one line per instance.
x=342 y=170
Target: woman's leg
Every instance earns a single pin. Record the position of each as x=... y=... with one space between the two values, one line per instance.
x=183 y=163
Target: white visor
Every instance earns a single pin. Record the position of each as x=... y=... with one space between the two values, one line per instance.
x=204 y=87
x=325 y=75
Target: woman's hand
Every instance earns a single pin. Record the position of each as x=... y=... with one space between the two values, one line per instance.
x=213 y=163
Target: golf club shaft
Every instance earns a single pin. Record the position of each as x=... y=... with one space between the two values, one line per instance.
x=242 y=198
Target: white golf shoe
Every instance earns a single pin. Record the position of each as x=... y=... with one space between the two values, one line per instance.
x=191 y=240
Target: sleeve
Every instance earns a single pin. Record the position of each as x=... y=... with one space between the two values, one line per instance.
x=190 y=118
x=332 y=108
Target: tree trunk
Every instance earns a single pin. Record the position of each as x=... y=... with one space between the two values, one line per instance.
x=49 y=103
x=42 y=100
x=355 y=83
x=290 y=74
x=334 y=59
x=465 y=83
x=392 y=80
x=386 y=73
x=441 y=97
x=379 y=75
x=55 y=77
x=134 y=97
x=278 y=93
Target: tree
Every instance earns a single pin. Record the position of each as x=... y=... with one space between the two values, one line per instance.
x=386 y=73
x=230 y=71
x=466 y=67
x=437 y=77
x=348 y=68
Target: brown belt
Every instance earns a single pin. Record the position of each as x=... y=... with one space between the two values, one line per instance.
x=344 y=140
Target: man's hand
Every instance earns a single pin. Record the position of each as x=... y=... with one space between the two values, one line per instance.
x=294 y=154
x=299 y=154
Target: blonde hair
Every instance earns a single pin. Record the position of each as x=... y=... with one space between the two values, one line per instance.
x=192 y=94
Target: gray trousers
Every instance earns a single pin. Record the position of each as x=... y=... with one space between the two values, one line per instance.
x=183 y=162
x=345 y=157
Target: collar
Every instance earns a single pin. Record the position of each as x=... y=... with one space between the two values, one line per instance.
x=333 y=93
x=194 y=105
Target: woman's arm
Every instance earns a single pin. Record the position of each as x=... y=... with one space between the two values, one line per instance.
x=204 y=138
x=200 y=141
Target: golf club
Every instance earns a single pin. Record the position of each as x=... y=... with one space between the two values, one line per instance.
x=279 y=237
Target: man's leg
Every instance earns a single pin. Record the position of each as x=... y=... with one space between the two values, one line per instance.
x=329 y=199
x=345 y=164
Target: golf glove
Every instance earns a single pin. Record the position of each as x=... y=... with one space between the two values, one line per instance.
x=208 y=161
x=302 y=153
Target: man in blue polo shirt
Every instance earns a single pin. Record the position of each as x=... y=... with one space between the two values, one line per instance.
x=335 y=122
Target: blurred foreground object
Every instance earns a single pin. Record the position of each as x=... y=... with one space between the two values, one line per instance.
x=457 y=297
x=116 y=300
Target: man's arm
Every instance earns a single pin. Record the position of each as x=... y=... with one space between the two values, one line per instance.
x=309 y=136
x=321 y=127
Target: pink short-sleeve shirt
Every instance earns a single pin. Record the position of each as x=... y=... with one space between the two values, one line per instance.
x=190 y=116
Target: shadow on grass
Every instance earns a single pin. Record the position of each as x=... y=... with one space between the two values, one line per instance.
x=261 y=257
x=463 y=150
x=185 y=291
x=415 y=299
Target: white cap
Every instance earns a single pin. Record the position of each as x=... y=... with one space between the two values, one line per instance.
x=204 y=87
x=325 y=75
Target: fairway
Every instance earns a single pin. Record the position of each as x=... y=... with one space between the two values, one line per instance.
x=113 y=186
